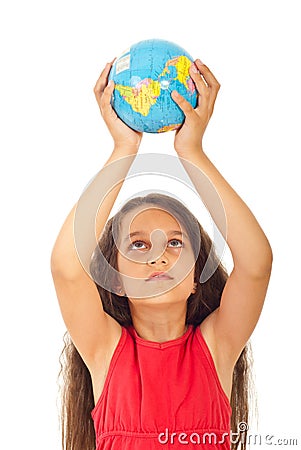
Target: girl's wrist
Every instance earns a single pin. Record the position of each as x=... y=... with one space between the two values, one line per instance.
x=125 y=150
x=191 y=152
x=124 y=154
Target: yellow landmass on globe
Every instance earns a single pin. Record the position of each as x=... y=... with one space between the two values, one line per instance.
x=141 y=97
x=172 y=127
x=182 y=64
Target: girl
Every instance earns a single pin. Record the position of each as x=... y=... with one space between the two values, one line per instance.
x=153 y=356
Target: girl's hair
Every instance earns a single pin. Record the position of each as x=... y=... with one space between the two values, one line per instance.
x=77 y=395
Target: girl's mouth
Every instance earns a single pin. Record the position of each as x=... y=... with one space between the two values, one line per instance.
x=158 y=276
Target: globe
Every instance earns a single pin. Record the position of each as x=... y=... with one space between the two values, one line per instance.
x=144 y=77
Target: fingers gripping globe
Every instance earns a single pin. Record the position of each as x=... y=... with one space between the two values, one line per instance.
x=144 y=77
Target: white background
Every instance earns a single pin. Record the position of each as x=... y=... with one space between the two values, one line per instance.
x=53 y=142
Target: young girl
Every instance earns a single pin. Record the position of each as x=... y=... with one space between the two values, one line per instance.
x=153 y=356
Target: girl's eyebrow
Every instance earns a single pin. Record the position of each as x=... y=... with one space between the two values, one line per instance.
x=169 y=234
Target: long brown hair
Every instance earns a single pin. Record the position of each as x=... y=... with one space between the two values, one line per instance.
x=77 y=399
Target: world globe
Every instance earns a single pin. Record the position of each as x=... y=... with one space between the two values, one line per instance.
x=144 y=77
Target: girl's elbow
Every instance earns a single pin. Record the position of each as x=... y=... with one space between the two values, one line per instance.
x=268 y=262
x=265 y=263
x=258 y=265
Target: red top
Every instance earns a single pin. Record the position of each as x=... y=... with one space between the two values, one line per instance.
x=162 y=396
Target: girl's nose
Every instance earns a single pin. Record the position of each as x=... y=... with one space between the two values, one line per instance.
x=157 y=255
x=161 y=260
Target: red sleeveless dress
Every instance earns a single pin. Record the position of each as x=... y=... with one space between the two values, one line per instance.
x=162 y=396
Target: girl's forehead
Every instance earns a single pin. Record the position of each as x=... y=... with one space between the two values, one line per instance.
x=147 y=218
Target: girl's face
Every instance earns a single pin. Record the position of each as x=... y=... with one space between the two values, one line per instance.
x=155 y=258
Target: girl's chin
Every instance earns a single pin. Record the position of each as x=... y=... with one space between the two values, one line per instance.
x=151 y=291
x=170 y=297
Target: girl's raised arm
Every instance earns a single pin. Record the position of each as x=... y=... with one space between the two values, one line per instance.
x=230 y=326
x=93 y=332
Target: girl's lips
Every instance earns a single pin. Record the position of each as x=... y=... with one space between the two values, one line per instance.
x=156 y=276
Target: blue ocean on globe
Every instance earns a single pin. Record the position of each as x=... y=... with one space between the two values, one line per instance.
x=144 y=77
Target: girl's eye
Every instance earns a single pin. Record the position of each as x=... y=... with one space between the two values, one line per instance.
x=176 y=243
x=137 y=245
x=140 y=245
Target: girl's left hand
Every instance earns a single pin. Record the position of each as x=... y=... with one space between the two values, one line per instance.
x=189 y=137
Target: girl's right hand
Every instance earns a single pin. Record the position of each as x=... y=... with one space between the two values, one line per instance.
x=123 y=136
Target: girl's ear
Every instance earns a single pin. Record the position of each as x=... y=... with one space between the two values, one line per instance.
x=195 y=285
x=117 y=286
x=119 y=290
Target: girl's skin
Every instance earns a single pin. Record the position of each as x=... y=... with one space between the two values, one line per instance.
x=161 y=317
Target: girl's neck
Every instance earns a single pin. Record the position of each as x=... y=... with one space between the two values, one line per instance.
x=159 y=325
